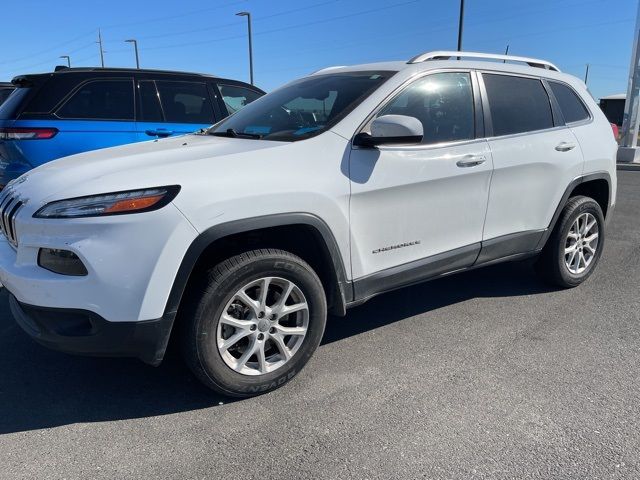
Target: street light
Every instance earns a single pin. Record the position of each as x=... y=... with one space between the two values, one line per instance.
x=460 y=25
x=248 y=15
x=135 y=47
x=68 y=59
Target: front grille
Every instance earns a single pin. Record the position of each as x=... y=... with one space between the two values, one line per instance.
x=10 y=204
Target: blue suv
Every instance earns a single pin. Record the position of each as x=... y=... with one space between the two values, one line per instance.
x=73 y=110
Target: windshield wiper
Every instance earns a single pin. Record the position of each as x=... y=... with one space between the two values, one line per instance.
x=231 y=133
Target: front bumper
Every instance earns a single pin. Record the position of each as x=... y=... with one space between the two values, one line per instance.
x=86 y=333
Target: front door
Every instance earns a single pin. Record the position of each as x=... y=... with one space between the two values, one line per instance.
x=422 y=206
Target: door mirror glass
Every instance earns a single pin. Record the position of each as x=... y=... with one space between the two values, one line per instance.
x=392 y=129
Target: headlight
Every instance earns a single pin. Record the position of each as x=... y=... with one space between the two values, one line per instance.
x=117 y=203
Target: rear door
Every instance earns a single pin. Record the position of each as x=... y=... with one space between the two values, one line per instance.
x=535 y=157
x=173 y=107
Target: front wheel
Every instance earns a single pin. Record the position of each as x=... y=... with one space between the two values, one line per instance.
x=253 y=322
x=575 y=245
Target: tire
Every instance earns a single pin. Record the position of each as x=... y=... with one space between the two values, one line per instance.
x=562 y=269
x=230 y=288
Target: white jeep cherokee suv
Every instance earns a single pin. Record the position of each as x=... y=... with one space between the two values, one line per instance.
x=339 y=186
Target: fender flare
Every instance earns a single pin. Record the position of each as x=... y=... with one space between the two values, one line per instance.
x=565 y=198
x=222 y=230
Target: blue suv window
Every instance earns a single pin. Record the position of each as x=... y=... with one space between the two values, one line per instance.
x=101 y=100
x=150 y=110
x=185 y=102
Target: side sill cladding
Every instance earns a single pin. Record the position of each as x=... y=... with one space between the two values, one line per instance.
x=565 y=198
x=222 y=230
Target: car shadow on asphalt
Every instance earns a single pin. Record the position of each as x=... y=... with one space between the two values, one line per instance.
x=40 y=388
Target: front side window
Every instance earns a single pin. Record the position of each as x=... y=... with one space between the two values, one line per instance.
x=236 y=97
x=185 y=102
x=572 y=108
x=101 y=100
x=517 y=104
x=443 y=102
x=304 y=108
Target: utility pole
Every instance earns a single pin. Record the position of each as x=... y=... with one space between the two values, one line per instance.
x=506 y=52
x=248 y=15
x=68 y=59
x=628 y=151
x=99 y=42
x=460 y=25
x=135 y=46
x=586 y=74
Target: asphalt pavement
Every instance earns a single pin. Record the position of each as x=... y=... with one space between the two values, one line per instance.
x=485 y=374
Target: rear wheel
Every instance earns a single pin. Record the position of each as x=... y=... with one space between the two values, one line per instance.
x=575 y=245
x=253 y=322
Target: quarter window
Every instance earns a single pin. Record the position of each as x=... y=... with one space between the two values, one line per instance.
x=443 y=102
x=101 y=100
x=517 y=104
x=236 y=97
x=185 y=102
x=573 y=110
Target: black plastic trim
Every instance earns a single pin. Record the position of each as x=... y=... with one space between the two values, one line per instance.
x=415 y=272
x=217 y=232
x=86 y=333
x=508 y=245
x=565 y=198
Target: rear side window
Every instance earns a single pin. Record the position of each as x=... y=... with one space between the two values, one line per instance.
x=150 y=110
x=517 y=104
x=11 y=107
x=4 y=94
x=100 y=100
x=573 y=110
x=185 y=102
x=443 y=102
x=236 y=97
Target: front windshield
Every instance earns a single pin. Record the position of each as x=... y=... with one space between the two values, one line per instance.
x=302 y=109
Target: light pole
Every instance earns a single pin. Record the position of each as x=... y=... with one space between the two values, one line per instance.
x=248 y=15
x=460 y=25
x=135 y=47
x=68 y=59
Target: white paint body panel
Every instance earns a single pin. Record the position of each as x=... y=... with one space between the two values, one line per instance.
x=415 y=194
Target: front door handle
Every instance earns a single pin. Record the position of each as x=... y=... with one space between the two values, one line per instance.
x=565 y=146
x=471 y=161
x=160 y=132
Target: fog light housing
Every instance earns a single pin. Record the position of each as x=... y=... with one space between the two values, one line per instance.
x=63 y=262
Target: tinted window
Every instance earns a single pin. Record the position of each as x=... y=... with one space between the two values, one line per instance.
x=517 y=104
x=150 y=110
x=185 y=102
x=573 y=110
x=303 y=108
x=10 y=108
x=443 y=102
x=236 y=97
x=101 y=100
x=4 y=94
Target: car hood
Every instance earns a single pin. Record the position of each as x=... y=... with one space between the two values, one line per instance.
x=140 y=165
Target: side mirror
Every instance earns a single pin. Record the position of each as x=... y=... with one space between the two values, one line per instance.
x=391 y=129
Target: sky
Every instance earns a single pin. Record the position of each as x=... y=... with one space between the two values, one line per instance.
x=295 y=37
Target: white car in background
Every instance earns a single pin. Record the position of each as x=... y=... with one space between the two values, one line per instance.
x=339 y=186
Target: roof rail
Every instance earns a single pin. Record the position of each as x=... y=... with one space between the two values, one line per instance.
x=446 y=55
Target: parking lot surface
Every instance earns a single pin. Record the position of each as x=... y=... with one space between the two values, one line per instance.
x=485 y=374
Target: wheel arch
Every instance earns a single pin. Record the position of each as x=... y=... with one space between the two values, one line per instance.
x=310 y=232
x=595 y=185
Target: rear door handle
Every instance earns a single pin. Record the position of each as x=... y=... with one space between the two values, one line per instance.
x=565 y=146
x=471 y=161
x=160 y=132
